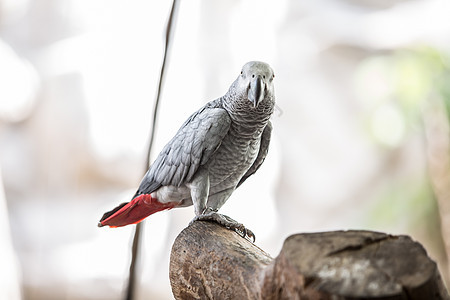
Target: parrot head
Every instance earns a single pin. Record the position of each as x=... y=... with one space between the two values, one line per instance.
x=256 y=79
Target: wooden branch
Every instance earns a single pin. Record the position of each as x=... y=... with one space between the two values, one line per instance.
x=211 y=262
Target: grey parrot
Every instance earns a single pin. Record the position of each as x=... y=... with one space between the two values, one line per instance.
x=216 y=149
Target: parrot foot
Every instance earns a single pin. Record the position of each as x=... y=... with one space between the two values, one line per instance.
x=226 y=222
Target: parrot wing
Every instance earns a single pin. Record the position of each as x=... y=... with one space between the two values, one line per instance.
x=262 y=153
x=192 y=146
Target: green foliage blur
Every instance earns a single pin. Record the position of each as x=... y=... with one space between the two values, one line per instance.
x=399 y=88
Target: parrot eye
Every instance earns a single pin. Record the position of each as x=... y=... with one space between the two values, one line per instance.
x=241 y=72
x=264 y=76
x=253 y=76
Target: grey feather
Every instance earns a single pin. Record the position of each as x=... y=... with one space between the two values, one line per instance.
x=262 y=153
x=192 y=146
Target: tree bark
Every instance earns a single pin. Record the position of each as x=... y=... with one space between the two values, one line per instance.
x=437 y=131
x=211 y=262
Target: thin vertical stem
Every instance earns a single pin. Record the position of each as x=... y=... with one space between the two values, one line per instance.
x=131 y=288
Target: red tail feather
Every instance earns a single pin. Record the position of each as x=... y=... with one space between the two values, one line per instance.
x=134 y=211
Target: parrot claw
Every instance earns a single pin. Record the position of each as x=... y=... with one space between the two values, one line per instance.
x=227 y=222
x=247 y=233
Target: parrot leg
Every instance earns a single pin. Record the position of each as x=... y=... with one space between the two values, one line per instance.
x=206 y=210
x=199 y=191
x=227 y=222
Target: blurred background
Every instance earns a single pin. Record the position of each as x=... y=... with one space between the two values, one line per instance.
x=361 y=134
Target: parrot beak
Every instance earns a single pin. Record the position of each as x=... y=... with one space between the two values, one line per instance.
x=256 y=92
